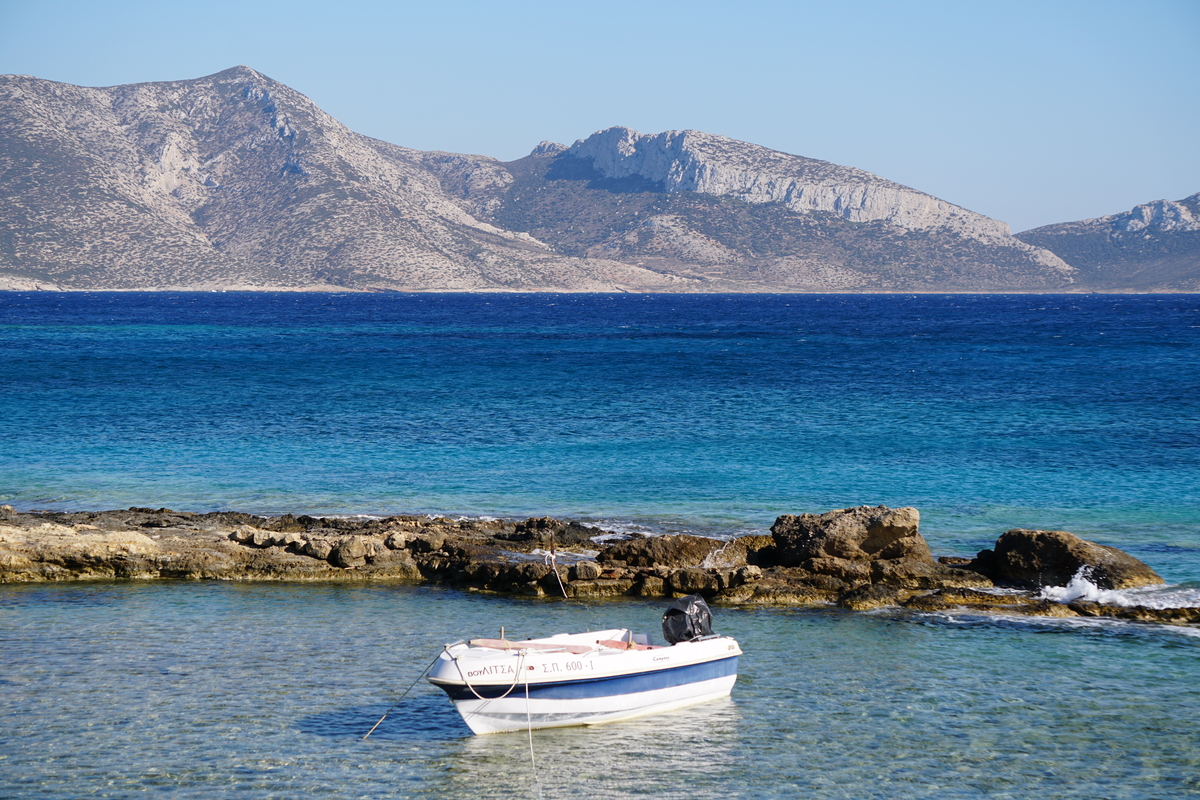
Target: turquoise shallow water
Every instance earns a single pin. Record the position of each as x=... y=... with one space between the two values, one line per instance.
x=711 y=414
x=194 y=690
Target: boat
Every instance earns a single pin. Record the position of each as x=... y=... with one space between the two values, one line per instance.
x=587 y=678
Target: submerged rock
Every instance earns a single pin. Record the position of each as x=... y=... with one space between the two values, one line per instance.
x=865 y=598
x=1166 y=616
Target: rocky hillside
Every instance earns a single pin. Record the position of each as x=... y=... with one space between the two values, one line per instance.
x=235 y=181
x=738 y=217
x=1154 y=246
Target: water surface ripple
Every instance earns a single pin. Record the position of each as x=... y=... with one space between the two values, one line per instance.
x=203 y=690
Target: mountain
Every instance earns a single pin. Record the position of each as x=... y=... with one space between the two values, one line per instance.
x=1154 y=246
x=739 y=217
x=235 y=181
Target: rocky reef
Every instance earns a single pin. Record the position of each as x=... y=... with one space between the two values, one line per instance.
x=857 y=558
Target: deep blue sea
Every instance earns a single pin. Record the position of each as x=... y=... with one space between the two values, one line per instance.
x=710 y=414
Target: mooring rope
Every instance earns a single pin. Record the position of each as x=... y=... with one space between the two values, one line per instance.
x=406 y=691
x=552 y=563
x=521 y=653
x=529 y=728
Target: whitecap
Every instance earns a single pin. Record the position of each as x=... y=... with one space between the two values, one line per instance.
x=1082 y=587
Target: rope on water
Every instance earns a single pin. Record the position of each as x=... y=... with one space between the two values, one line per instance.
x=529 y=727
x=401 y=697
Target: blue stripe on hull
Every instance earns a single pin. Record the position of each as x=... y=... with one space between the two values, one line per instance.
x=604 y=687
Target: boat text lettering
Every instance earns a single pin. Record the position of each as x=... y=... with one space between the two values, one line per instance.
x=493 y=670
x=568 y=666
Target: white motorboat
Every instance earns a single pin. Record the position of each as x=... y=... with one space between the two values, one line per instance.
x=584 y=678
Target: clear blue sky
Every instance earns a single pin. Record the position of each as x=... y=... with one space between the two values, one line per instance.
x=1029 y=111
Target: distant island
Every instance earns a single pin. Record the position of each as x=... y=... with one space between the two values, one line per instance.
x=237 y=182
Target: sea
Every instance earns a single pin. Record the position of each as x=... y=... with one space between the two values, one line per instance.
x=704 y=414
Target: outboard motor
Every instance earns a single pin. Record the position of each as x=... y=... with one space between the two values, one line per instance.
x=687 y=619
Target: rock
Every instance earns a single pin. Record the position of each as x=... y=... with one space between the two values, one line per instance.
x=1165 y=616
x=693 y=161
x=7 y=513
x=393 y=559
x=1036 y=558
x=289 y=540
x=104 y=545
x=351 y=552
x=1048 y=608
x=11 y=561
x=746 y=574
x=261 y=538
x=242 y=534
x=287 y=523
x=914 y=573
x=600 y=588
x=853 y=534
x=693 y=580
x=543 y=529
x=774 y=592
x=971 y=598
x=398 y=541
x=427 y=542
x=947 y=599
x=852 y=572
x=865 y=598
x=318 y=547
x=651 y=586
x=679 y=550
x=754 y=549
x=759 y=550
x=585 y=571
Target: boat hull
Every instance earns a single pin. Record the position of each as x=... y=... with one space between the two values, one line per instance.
x=524 y=689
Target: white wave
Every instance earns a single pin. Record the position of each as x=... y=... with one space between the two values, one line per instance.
x=1081 y=587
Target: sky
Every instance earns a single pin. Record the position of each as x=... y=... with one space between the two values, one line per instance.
x=1031 y=112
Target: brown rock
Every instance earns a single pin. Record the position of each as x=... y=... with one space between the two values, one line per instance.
x=746 y=574
x=650 y=586
x=760 y=549
x=678 y=550
x=1166 y=616
x=776 y=593
x=915 y=573
x=1048 y=608
x=1036 y=558
x=545 y=529
x=396 y=564
x=600 y=588
x=585 y=571
x=427 y=542
x=693 y=580
x=397 y=540
x=851 y=572
x=854 y=534
x=351 y=552
x=318 y=547
x=865 y=598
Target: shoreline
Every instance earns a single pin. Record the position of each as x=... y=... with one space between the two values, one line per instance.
x=858 y=559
